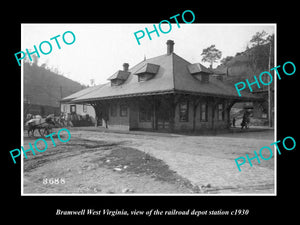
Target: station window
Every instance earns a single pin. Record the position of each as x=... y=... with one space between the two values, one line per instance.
x=220 y=111
x=73 y=108
x=203 y=112
x=113 y=110
x=184 y=111
x=145 y=113
x=84 y=108
x=123 y=110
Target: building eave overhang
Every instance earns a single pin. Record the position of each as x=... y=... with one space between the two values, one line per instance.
x=235 y=98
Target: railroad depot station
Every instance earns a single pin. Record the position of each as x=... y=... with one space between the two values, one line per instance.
x=163 y=93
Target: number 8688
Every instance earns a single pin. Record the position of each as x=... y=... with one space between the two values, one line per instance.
x=54 y=181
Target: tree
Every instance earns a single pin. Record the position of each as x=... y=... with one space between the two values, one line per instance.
x=34 y=57
x=259 y=38
x=211 y=55
x=270 y=39
x=262 y=51
x=225 y=60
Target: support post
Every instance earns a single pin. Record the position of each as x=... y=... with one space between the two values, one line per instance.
x=228 y=108
x=195 y=105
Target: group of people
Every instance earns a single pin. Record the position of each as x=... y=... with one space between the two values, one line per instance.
x=63 y=120
x=37 y=119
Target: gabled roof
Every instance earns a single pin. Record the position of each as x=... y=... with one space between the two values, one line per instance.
x=222 y=70
x=122 y=75
x=80 y=93
x=198 y=68
x=148 y=68
x=162 y=82
x=173 y=76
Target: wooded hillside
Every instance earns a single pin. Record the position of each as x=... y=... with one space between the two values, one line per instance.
x=44 y=87
x=256 y=58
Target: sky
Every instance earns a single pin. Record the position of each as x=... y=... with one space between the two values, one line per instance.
x=100 y=50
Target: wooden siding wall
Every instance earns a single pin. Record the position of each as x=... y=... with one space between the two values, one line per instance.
x=132 y=120
x=79 y=109
x=118 y=122
x=134 y=115
x=201 y=125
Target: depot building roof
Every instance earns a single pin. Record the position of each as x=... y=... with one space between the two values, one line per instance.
x=168 y=73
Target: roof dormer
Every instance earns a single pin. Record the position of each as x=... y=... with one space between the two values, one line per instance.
x=147 y=72
x=120 y=76
x=200 y=72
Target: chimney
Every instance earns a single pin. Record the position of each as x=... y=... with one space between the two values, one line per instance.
x=125 y=67
x=170 y=47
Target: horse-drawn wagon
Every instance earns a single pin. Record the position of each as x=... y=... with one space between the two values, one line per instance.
x=43 y=125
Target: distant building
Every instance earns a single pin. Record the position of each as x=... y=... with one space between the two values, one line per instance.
x=164 y=93
x=70 y=108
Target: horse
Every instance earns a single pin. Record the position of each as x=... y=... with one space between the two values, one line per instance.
x=43 y=125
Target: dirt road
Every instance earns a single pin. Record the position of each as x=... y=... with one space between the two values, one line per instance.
x=97 y=162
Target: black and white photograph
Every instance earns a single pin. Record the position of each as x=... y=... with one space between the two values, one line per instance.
x=135 y=114
x=125 y=109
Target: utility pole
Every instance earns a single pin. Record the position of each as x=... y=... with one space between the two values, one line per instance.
x=60 y=87
x=61 y=96
x=269 y=89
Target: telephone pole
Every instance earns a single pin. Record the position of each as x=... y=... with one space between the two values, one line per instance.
x=61 y=96
x=269 y=89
